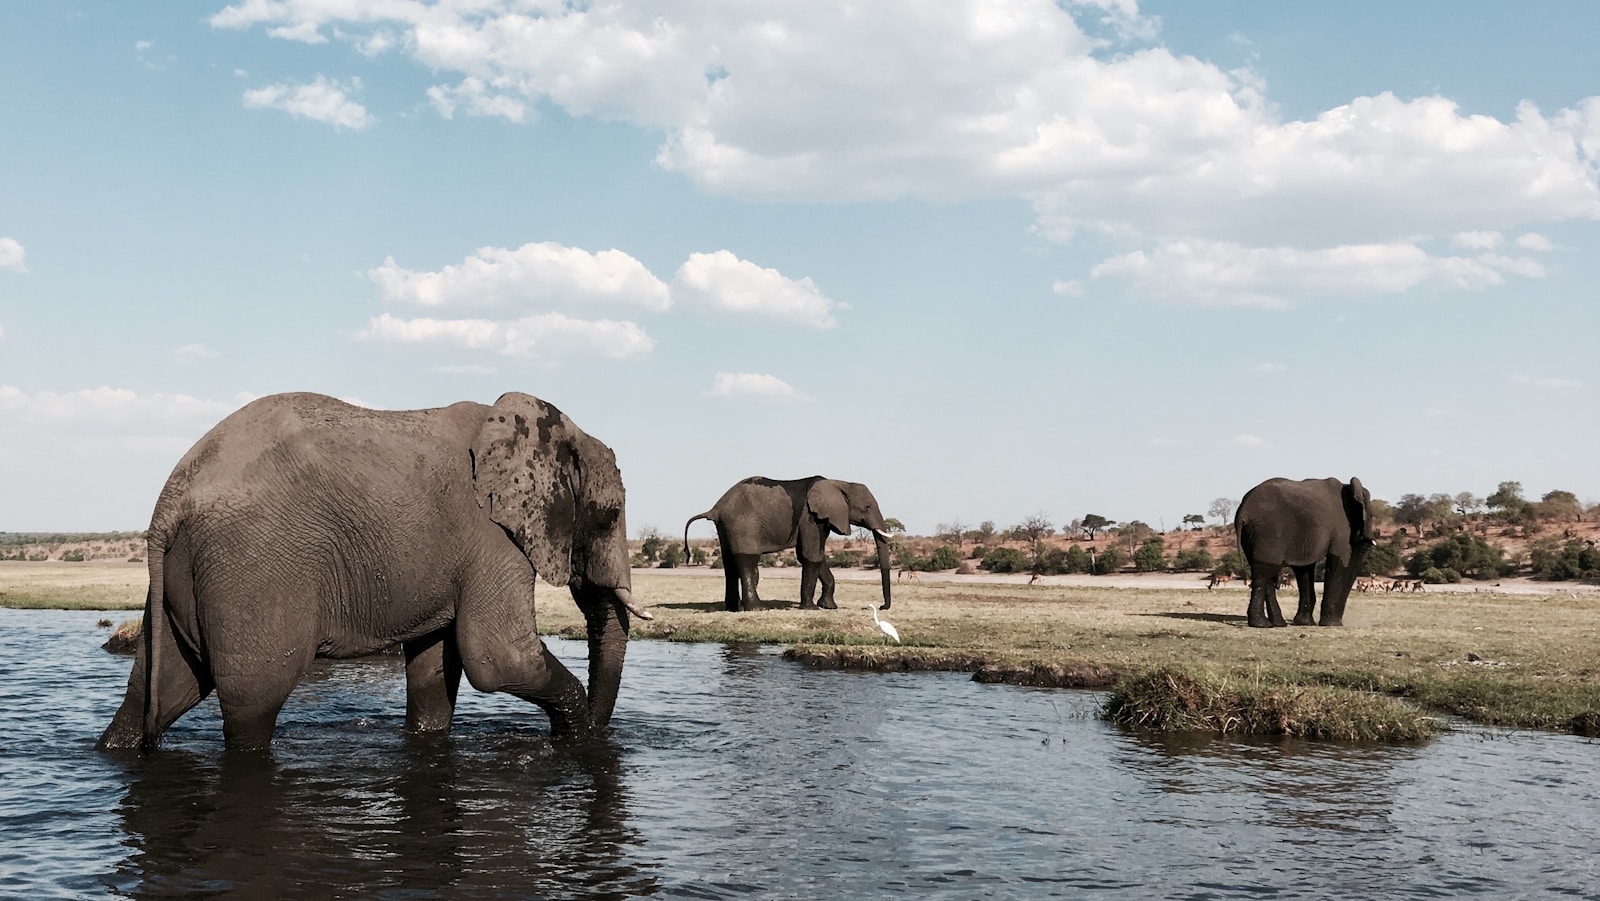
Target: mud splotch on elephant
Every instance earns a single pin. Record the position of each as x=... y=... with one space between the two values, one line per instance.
x=1300 y=524
x=761 y=515
x=303 y=527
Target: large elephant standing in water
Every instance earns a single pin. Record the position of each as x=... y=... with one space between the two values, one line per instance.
x=1299 y=524
x=761 y=515
x=303 y=527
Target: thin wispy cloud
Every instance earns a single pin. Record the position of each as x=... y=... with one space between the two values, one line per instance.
x=321 y=100
x=752 y=384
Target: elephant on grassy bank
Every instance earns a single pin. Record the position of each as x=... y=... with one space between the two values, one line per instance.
x=1299 y=524
x=303 y=527
x=760 y=516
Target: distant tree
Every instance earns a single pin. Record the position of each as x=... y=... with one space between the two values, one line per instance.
x=653 y=540
x=1556 y=560
x=1034 y=529
x=672 y=556
x=1382 y=560
x=698 y=556
x=892 y=525
x=985 y=532
x=1093 y=523
x=1560 y=505
x=1507 y=500
x=1467 y=503
x=1134 y=531
x=1381 y=511
x=1151 y=556
x=1222 y=510
x=954 y=532
x=1076 y=560
x=1194 y=520
x=1415 y=510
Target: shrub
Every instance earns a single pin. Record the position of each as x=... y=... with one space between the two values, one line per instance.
x=1005 y=560
x=1109 y=561
x=1233 y=563
x=73 y=556
x=1557 y=561
x=1467 y=554
x=1151 y=556
x=1193 y=560
x=1382 y=560
x=944 y=557
x=845 y=558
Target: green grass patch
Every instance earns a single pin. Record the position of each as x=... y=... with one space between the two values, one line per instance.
x=1193 y=700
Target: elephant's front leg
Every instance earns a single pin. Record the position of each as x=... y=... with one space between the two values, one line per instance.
x=433 y=675
x=808 y=585
x=1305 y=579
x=498 y=641
x=1263 y=611
x=827 y=602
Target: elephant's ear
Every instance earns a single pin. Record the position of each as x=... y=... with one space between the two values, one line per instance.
x=523 y=473
x=1360 y=503
x=827 y=502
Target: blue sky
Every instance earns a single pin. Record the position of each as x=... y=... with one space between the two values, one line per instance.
x=997 y=260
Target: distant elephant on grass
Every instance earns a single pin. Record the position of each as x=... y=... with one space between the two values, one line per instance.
x=760 y=515
x=1299 y=524
x=303 y=527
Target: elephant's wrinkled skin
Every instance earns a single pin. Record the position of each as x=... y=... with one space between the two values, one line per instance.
x=303 y=527
x=761 y=515
x=1298 y=524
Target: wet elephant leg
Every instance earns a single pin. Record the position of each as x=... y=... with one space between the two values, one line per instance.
x=498 y=641
x=433 y=676
x=1305 y=579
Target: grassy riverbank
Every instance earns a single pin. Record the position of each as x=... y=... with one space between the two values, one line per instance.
x=1523 y=660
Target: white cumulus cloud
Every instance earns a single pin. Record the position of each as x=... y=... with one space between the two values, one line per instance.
x=12 y=256
x=1248 y=442
x=1220 y=273
x=322 y=100
x=543 y=274
x=722 y=281
x=756 y=384
x=197 y=352
x=546 y=336
x=1076 y=107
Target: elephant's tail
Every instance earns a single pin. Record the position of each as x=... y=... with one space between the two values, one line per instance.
x=155 y=617
x=705 y=516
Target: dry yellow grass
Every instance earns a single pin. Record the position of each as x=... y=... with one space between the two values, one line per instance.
x=55 y=585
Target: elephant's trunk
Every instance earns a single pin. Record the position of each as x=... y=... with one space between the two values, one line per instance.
x=605 y=611
x=882 y=539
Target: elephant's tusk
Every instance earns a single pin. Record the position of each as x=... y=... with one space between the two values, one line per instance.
x=882 y=535
x=625 y=597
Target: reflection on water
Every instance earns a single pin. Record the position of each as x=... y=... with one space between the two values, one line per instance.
x=732 y=773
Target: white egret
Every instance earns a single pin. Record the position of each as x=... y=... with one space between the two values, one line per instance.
x=886 y=628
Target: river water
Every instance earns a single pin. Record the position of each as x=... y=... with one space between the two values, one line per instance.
x=735 y=773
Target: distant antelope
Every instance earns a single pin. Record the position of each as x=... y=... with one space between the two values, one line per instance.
x=1219 y=579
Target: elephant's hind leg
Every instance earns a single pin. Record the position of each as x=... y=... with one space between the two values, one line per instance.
x=1305 y=579
x=1263 y=611
x=827 y=602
